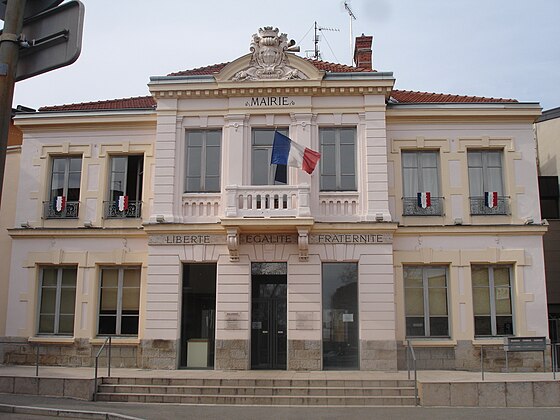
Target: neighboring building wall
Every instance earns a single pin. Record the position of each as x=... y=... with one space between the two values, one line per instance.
x=548 y=146
x=7 y=216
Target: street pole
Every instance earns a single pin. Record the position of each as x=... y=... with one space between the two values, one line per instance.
x=9 y=54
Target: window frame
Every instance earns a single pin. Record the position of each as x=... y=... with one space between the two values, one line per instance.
x=67 y=172
x=426 y=301
x=111 y=208
x=203 y=169
x=271 y=167
x=58 y=300
x=337 y=159
x=119 y=306
x=492 y=296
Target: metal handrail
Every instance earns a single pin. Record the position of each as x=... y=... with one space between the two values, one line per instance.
x=410 y=351
x=36 y=345
x=107 y=340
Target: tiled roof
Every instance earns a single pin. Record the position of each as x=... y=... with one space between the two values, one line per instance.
x=412 y=97
x=397 y=96
x=321 y=65
x=139 y=102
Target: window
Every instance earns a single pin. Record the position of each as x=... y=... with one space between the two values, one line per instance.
x=64 y=196
x=119 y=301
x=425 y=296
x=421 y=195
x=485 y=182
x=125 y=187
x=338 y=159
x=492 y=300
x=203 y=161
x=263 y=173
x=57 y=298
x=549 y=195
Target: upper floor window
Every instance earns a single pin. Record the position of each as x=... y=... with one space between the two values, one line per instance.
x=262 y=171
x=125 y=187
x=119 y=301
x=493 y=313
x=421 y=194
x=64 y=195
x=486 y=184
x=425 y=296
x=57 y=300
x=338 y=159
x=203 y=157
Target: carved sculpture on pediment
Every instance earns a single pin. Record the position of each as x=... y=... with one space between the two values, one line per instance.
x=269 y=59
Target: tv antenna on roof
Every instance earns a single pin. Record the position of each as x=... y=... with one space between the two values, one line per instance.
x=316 y=52
x=352 y=17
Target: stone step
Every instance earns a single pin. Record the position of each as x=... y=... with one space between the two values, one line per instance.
x=259 y=399
x=254 y=390
x=258 y=382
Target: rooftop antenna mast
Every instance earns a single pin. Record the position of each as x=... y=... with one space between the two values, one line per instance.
x=317 y=52
x=352 y=17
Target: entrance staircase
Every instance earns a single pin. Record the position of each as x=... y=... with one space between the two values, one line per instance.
x=269 y=391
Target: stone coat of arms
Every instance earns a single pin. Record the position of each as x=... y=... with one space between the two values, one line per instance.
x=269 y=58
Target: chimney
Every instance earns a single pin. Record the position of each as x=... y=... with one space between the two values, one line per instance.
x=362 y=52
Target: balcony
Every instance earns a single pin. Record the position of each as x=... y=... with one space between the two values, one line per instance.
x=267 y=201
x=479 y=207
x=411 y=207
x=111 y=210
x=68 y=211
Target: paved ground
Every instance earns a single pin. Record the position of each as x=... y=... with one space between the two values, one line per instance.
x=171 y=411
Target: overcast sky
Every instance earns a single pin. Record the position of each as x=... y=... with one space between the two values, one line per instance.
x=497 y=48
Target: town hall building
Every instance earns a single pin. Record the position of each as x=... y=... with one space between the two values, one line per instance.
x=158 y=221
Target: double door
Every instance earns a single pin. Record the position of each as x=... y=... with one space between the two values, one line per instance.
x=269 y=321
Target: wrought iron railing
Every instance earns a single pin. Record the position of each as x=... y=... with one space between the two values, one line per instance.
x=111 y=210
x=69 y=211
x=411 y=207
x=479 y=207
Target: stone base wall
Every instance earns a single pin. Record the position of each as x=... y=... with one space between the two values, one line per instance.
x=378 y=355
x=304 y=355
x=233 y=354
x=148 y=354
x=466 y=356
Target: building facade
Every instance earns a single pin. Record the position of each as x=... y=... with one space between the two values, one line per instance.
x=158 y=221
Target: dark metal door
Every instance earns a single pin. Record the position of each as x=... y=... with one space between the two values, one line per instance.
x=269 y=322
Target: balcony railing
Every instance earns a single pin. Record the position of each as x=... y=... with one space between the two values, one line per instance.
x=411 y=207
x=69 y=210
x=111 y=210
x=479 y=207
x=268 y=201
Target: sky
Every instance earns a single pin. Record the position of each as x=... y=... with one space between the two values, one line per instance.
x=493 y=48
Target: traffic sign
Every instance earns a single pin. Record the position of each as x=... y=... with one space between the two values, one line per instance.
x=32 y=7
x=51 y=39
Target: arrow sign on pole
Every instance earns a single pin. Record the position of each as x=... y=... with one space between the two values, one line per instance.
x=32 y=7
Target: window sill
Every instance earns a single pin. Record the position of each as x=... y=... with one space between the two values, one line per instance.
x=491 y=341
x=51 y=339
x=115 y=341
x=431 y=342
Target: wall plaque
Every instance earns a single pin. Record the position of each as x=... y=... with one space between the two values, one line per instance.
x=350 y=238
x=187 y=239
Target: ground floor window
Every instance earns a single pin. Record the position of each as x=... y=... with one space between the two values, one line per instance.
x=425 y=296
x=57 y=300
x=493 y=314
x=119 y=301
x=198 y=315
x=340 y=316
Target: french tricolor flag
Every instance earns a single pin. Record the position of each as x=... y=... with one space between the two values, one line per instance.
x=288 y=153
x=59 y=203
x=123 y=202
x=424 y=199
x=491 y=199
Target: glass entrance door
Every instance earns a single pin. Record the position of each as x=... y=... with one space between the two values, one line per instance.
x=269 y=316
x=340 y=316
x=198 y=316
